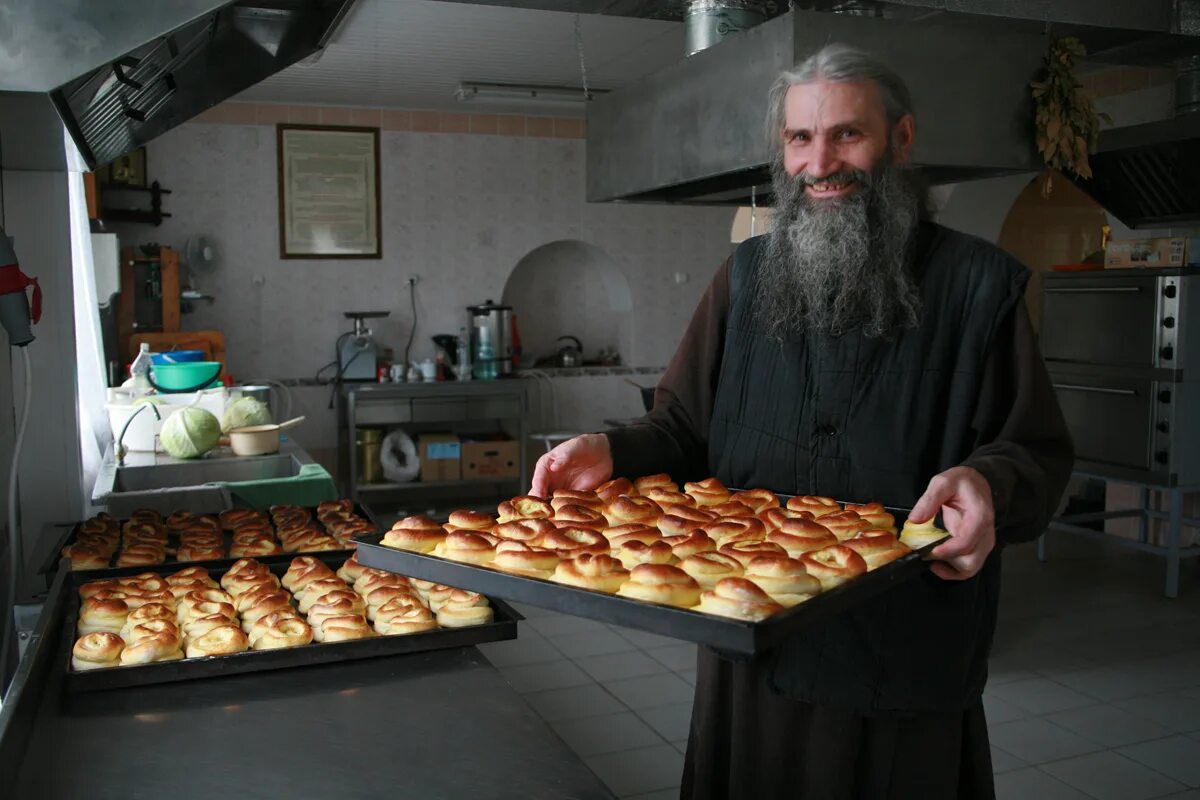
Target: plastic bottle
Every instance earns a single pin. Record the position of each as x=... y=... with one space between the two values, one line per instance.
x=464 y=356
x=486 y=368
x=139 y=371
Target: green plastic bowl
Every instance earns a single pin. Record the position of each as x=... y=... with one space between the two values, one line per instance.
x=181 y=377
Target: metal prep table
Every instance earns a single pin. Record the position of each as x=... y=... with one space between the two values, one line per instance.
x=437 y=725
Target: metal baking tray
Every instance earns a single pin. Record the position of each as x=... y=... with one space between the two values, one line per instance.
x=729 y=635
x=55 y=555
x=503 y=627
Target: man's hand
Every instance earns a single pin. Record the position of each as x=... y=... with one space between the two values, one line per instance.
x=965 y=499
x=582 y=464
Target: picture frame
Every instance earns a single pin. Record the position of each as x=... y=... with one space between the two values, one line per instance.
x=127 y=170
x=329 y=194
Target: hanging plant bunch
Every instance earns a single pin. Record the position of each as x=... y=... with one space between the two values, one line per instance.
x=1068 y=125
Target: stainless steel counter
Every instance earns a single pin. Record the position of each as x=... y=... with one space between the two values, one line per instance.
x=437 y=725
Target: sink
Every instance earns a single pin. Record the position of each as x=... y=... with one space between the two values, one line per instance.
x=173 y=473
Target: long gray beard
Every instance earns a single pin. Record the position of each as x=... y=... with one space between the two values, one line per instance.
x=834 y=265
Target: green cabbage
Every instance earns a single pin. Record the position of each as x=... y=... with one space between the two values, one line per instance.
x=190 y=433
x=244 y=412
x=150 y=399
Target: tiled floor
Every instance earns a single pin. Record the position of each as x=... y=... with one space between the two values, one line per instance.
x=1094 y=689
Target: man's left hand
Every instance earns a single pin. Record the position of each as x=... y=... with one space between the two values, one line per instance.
x=965 y=499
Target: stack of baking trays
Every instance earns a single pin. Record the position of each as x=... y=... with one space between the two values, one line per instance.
x=151 y=619
x=148 y=539
x=737 y=570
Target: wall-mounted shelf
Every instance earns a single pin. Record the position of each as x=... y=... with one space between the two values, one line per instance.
x=152 y=216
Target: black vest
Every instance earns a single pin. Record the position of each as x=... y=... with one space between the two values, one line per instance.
x=862 y=419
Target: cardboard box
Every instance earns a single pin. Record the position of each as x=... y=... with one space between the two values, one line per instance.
x=1134 y=253
x=497 y=458
x=441 y=457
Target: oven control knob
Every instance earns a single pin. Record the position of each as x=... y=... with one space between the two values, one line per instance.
x=1162 y=457
x=1168 y=322
x=1164 y=396
x=1167 y=353
x=1169 y=290
x=1163 y=427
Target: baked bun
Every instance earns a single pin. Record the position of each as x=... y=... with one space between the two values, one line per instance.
x=202 y=596
x=472 y=521
x=689 y=544
x=919 y=534
x=148 y=612
x=633 y=552
x=626 y=509
x=633 y=533
x=468 y=547
x=570 y=497
x=96 y=650
x=708 y=568
x=400 y=621
x=100 y=615
x=732 y=509
x=736 y=530
x=615 y=533
x=91 y=588
x=200 y=553
x=844 y=524
x=85 y=557
x=816 y=505
x=455 y=615
x=255 y=548
x=202 y=625
x=285 y=632
x=523 y=559
x=350 y=569
x=418 y=521
x=218 y=642
x=834 y=565
x=661 y=583
x=738 y=598
x=381 y=596
x=343 y=629
x=191 y=575
x=524 y=507
x=135 y=599
x=448 y=594
x=744 y=552
x=568 y=542
x=197 y=610
x=597 y=571
x=234 y=517
x=417 y=540
x=708 y=492
x=785 y=579
x=339 y=606
x=774 y=518
x=144 y=582
x=668 y=497
x=313 y=591
x=877 y=517
x=660 y=481
x=611 y=490
x=159 y=647
x=800 y=536
x=529 y=531
x=260 y=625
x=374 y=578
x=141 y=555
x=302 y=571
x=266 y=604
x=570 y=516
x=877 y=547
x=757 y=499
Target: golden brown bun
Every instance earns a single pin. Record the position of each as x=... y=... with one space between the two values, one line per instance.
x=264 y=605
x=454 y=615
x=148 y=612
x=199 y=553
x=661 y=583
x=136 y=599
x=311 y=592
x=97 y=650
x=343 y=629
x=191 y=575
x=570 y=497
x=374 y=578
x=184 y=605
x=336 y=607
x=626 y=509
x=418 y=522
x=218 y=642
x=689 y=544
x=159 y=647
x=197 y=610
x=472 y=521
x=141 y=555
x=611 y=490
x=235 y=517
x=350 y=569
x=708 y=568
x=617 y=531
x=800 y=536
x=255 y=548
x=664 y=497
x=597 y=571
x=814 y=504
x=399 y=605
x=529 y=531
x=635 y=533
x=634 y=552
x=570 y=516
x=143 y=583
x=524 y=507
x=877 y=547
x=402 y=621
x=444 y=595
x=97 y=615
x=418 y=540
x=834 y=565
x=522 y=559
x=744 y=552
x=380 y=597
x=284 y=632
x=677 y=520
x=91 y=588
x=202 y=625
x=302 y=571
x=660 y=481
x=844 y=524
x=738 y=598
x=877 y=517
x=732 y=509
x=85 y=557
x=468 y=547
x=261 y=625
x=774 y=518
x=919 y=534
x=785 y=579
x=569 y=542
x=708 y=492
x=734 y=529
x=757 y=499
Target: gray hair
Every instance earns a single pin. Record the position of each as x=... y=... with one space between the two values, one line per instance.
x=838 y=63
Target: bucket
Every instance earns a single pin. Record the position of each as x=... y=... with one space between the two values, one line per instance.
x=187 y=377
x=367 y=444
x=177 y=357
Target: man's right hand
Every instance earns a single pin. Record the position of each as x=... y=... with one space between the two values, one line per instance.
x=581 y=464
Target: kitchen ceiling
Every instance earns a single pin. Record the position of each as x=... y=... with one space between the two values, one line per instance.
x=414 y=53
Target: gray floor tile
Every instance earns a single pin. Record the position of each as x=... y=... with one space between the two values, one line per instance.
x=677 y=656
x=1107 y=684
x=999 y=711
x=996 y=678
x=1110 y=776
x=1190 y=794
x=681 y=746
x=1176 y=757
x=620 y=665
x=1038 y=741
x=593 y=736
x=662 y=794
x=651 y=690
x=1040 y=696
x=688 y=675
x=565 y=625
x=540 y=677
x=644 y=639
x=1004 y=761
x=672 y=721
x=642 y=770
x=1108 y=725
x=530 y=612
x=592 y=643
x=1033 y=784
x=576 y=702
x=1175 y=710
x=521 y=651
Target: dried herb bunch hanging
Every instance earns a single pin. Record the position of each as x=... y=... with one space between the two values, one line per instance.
x=1068 y=125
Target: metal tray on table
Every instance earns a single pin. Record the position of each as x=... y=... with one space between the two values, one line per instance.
x=730 y=635
x=502 y=627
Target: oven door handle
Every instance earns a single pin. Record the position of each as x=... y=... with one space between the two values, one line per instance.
x=1074 y=387
x=1095 y=290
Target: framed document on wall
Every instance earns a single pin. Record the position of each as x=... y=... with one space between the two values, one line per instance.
x=328 y=192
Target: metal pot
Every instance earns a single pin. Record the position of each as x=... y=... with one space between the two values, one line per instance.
x=570 y=355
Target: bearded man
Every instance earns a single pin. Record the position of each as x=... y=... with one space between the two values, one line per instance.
x=861 y=352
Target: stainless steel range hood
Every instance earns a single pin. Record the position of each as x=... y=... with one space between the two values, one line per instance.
x=120 y=74
x=694 y=132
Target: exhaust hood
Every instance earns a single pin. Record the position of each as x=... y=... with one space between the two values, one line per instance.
x=694 y=132
x=119 y=75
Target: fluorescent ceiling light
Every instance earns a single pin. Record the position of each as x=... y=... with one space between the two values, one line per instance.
x=523 y=94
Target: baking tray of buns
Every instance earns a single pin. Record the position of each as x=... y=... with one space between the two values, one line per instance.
x=107 y=546
x=166 y=625
x=738 y=570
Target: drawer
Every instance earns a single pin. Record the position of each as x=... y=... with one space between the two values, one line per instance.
x=1112 y=419
x=494 y=408
x=383 y=412
x=1099 y=320
x=439 y=410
